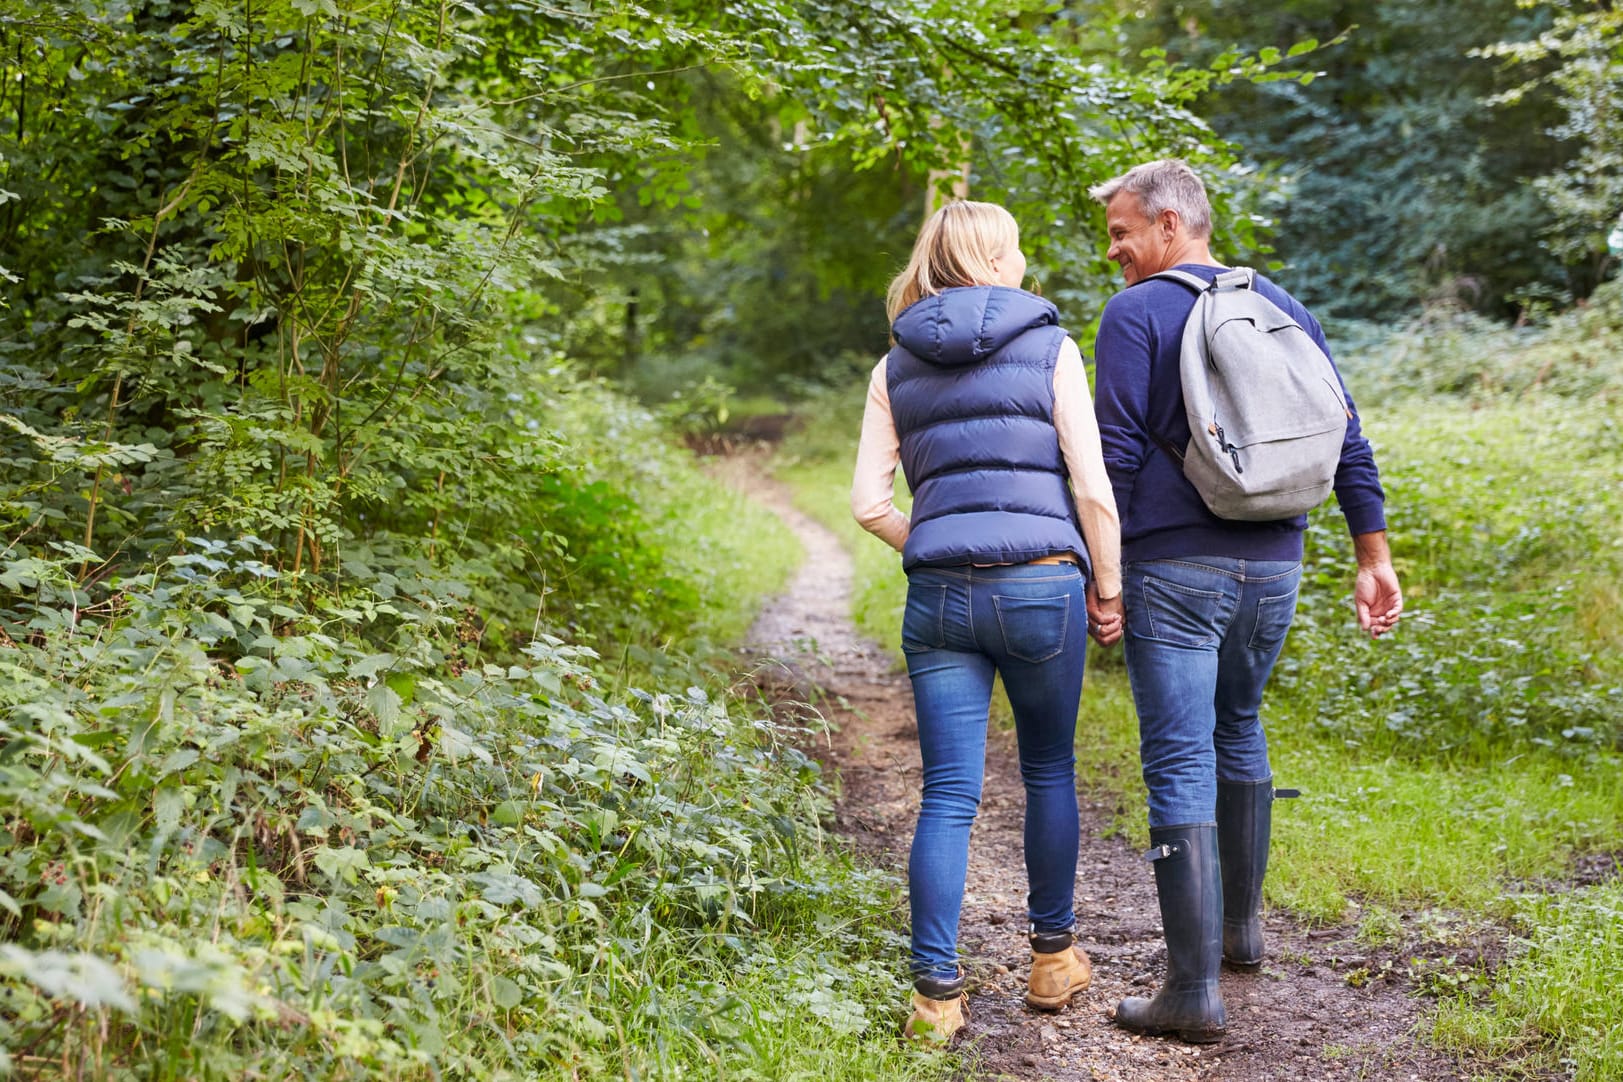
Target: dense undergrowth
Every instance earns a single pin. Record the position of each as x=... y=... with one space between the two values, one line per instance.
x=251 y=832
x=1455 y=770
x=365 y=707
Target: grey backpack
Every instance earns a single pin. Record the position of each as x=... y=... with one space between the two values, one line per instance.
x=1267 y=415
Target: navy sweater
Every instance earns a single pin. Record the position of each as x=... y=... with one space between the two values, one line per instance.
x=1139 y=398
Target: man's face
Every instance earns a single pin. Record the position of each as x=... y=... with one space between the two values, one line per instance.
x=1138 y=243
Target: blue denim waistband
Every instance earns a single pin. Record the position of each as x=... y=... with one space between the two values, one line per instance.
x=1235 y=568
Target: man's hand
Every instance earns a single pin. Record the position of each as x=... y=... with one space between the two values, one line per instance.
x=1376 y=594
x=1104 y=617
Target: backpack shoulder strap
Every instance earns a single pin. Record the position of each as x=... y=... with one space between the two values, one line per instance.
x=1193 y=281
x=1201 y=288
x=1236 y=278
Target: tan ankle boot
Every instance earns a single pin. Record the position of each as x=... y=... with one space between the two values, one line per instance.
x=940 y=1010
x=936 y=1019
x=1056 y=974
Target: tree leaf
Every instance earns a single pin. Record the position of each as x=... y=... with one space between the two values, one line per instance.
x=83 y=978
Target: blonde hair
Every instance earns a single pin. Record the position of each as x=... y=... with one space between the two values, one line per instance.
x=955 y=248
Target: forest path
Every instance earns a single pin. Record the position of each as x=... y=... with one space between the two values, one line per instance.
x=1300 y=1018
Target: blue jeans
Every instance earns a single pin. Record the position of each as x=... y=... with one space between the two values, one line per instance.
x=1203 y=633
x=963 y=625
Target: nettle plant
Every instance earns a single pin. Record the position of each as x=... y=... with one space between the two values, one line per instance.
x=236 y=830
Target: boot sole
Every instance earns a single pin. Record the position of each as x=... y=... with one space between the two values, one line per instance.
x=1188 y=1036
x=1242 y=967
x=1052 y=1003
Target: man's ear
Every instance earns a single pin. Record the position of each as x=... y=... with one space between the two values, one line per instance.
x=1168 y=223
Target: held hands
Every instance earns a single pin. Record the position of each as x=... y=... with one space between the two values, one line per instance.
x=1104 y=617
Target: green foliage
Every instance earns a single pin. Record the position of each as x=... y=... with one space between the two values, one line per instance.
x=811 y=166
x=1450 y=352
x=1390 y=182
x=261 y=273
x=640 y=549
x=1503 y=517
x=242 y=839
x=269 y=264
x=1554 y=1006
x=1579 y=59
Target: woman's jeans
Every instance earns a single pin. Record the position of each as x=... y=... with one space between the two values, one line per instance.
x=1203 y=633
x=962 y=625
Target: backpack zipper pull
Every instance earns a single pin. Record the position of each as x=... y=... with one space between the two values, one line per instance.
x=1224 y=445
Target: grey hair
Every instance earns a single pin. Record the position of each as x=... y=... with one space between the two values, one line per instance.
x=1168 y=184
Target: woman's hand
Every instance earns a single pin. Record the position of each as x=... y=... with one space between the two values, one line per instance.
x=1104 y=617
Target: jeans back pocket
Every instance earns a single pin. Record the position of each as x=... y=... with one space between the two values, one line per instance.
x=1033 y=627
x=924 y=618
x=1174 y=613
x=1274 y=615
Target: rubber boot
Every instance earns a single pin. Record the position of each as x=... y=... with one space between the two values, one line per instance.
x=1059 y=970
x=1245 y=814
x=940 y=1010
x=1245 y=811
x=1189 y=886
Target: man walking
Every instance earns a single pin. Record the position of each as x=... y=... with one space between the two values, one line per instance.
x=1209 y=601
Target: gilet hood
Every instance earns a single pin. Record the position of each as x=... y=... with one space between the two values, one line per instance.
x=967 y=324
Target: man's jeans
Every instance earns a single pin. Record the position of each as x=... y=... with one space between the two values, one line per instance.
x=962 y=624
x=1203 y=633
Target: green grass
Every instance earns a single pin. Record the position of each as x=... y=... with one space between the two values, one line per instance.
x=1452 y=768
x=1555 y=1004
x=1403 y=834
x=701 y=556
x=735 y=552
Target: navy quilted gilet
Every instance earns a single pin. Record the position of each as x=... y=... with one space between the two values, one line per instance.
x=971 y=381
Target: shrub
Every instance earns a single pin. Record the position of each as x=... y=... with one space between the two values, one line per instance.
x=245 y=839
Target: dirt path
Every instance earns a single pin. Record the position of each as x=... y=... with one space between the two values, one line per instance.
x=1301 y=1018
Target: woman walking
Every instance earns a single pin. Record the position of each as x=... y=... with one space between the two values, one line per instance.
x=1012 y=542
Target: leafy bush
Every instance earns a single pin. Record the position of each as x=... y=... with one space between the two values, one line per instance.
x=245 y=839
x=1503 y=521
x=1449 y=351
